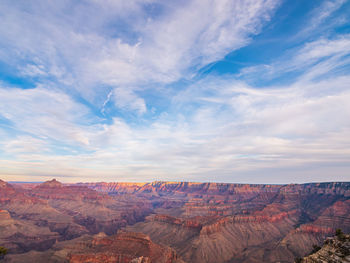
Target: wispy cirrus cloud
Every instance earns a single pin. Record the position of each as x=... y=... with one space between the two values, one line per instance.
x=70 y=43
x=44 y=114
x=101 y=69
x=235 y=131
x=316 y=57
x=321 y=14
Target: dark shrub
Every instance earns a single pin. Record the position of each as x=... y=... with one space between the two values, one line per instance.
x=315 y=248
x=3 y=252
x=339 y=233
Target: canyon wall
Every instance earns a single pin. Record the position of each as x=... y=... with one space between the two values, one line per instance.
x=189 y=222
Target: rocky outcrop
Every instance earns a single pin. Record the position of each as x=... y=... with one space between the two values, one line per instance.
x=3 y=184
x=334 y=250
x=55 y=190
x=50 y=184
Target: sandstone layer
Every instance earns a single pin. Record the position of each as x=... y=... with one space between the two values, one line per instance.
x=193 y=222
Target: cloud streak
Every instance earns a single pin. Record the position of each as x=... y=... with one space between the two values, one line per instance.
x=119 y=95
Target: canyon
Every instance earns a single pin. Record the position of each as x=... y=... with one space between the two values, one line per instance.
x=168 y=221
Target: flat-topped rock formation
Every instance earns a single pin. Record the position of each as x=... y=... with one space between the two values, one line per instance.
x=218 y=188
x=50 y=184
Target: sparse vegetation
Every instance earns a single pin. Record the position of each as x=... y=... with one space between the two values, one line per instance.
x=340 y=235
x=3 y=252
x=334 y=248
x=315 y=248
x=298 y=260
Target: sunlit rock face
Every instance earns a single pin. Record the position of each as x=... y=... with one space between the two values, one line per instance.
x=190 y=222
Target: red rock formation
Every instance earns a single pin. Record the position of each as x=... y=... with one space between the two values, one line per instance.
x=56 y=190
x=94 y=210
x=10 y=195
x=204 y=222
x=4 y=215
x=116 y=188
x=175 y=188
x=20 y=236
x=123 y=248
x=190 y=223
x=50 y=184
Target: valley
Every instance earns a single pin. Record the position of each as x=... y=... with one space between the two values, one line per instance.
x=168 y=221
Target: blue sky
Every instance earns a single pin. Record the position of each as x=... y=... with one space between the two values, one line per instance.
x=253 y=91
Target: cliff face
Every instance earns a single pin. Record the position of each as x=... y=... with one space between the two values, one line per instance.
x=219 y=239
x=20 y=235
x=9 y=195
x=16 y=232
x=54 y=190
x=186 y=188
x=243 y=223
x=67 y=211
x=95 y=211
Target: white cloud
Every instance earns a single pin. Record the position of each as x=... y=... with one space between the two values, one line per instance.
x=236 y=131
x=316 y=58
x=215 y=129
x=127 y=99
x=69 y=42
x=45 y=114
x=322 y=13
x=200 y=32
x=323 y=48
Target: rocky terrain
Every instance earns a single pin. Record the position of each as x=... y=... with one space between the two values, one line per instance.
x=124 y=247
x=55 y=212
x=334 y=250
x=194 y=222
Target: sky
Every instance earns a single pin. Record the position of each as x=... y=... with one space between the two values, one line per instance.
x=244 y=91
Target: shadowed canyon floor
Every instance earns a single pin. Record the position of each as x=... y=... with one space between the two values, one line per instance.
x=168 y=221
